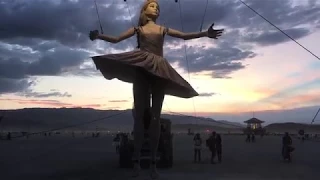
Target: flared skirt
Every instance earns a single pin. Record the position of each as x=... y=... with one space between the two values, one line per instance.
x=125 y=66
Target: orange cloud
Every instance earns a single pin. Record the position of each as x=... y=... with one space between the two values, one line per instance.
x=298 y=100
x=287 y=102
x=293 y=80
x=265 y=91
x=51 y=103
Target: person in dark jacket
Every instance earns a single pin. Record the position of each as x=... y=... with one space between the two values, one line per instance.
x=287 y=147
x=253 y=137
x=211 y=143
x=248 y=138
x=9 y=136
x=219 y=147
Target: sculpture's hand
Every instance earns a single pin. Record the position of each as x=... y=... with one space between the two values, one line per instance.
x=214 y=33
x=93 y=35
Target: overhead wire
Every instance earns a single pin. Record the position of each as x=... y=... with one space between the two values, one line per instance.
x=279 y=29
x=98 y=16
x=186 y=55
x=204 y=15
x=315 y=116
x=285 y=35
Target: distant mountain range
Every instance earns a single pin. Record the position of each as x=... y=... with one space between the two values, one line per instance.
x=297 y=115
x=69 y=119
x=293 y=127
x=91 y=119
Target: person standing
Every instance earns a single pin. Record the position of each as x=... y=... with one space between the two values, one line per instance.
x=286 y=147
x=219 y=147
x=197 y=147
x=211 y=143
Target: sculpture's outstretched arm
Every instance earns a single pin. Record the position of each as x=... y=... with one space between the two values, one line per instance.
x=185 y=36
x=125 y=35
x=211 y=33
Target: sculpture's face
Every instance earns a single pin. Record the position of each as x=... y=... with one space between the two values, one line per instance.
x=152 y=10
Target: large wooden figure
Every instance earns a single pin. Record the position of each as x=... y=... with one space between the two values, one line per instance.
x=149 y=71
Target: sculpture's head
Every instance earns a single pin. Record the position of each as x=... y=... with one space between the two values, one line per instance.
x=150 y=11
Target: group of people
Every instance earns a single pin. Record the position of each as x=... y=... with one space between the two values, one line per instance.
x=214 y=143
x=250 y=138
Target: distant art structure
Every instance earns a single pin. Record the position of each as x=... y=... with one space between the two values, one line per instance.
x=254 y=127
x=149 y=72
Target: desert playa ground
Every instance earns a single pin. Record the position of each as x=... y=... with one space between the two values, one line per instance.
x=62 y=157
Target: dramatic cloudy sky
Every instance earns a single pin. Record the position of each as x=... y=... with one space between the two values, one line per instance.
x=45 y=54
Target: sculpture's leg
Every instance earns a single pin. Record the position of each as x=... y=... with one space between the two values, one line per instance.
x=141 y=97
x=154 y=129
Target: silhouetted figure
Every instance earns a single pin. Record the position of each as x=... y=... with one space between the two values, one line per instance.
x=253 y=137
x=211 y=143
x=97 y=134
x=287 y=147
x=149 y=72
x=248 y=139
x=219 y=147
x=9 y=136
x=116 y=142
x=197 y=147
x=302 y=135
